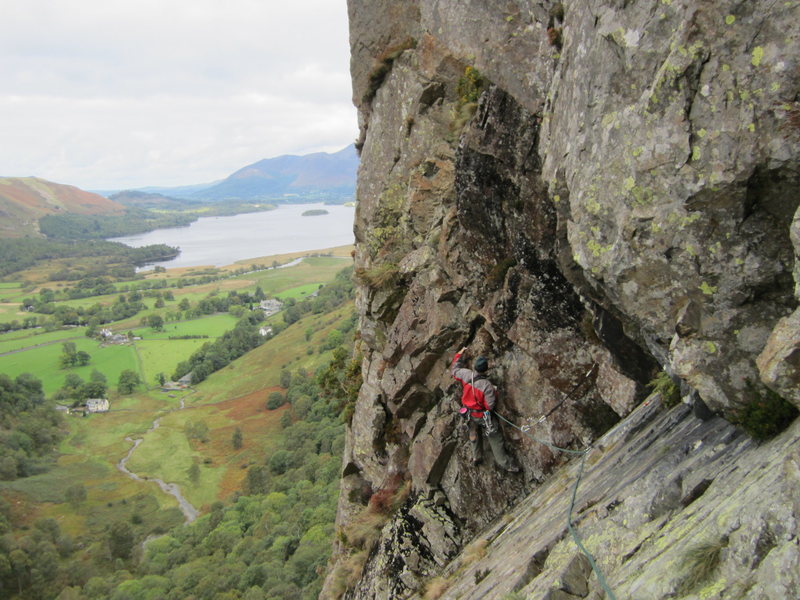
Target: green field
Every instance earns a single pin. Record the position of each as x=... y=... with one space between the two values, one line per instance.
x=162 y=356
x=155 y=429
x=212 y=325
x=11 y=291
x=232 y=397
x=261 y=367
x=10 y=303
x=313 y=270
x=27 y=338
x=43 y=362
x=299 y=292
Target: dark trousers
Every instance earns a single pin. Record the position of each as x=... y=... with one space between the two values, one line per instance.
x=477 y=430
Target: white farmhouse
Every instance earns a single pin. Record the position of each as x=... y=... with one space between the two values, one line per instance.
x=97 y=405
x=270 y=306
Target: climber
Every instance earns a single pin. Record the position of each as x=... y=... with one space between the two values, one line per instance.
x=478 y=398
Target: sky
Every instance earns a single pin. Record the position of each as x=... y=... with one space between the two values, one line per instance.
x=115 y=94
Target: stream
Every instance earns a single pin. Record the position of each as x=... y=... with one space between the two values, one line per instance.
x=189 y=511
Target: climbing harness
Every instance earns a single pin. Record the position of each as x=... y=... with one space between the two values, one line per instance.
x=582 y=453
x=488 y=425
x=573 y=532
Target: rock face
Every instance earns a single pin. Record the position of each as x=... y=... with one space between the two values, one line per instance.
x=587 y=193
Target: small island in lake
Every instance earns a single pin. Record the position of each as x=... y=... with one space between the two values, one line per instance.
x=315 y=212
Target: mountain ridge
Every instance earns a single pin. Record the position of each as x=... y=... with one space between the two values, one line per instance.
x=315 y=177
x=319 y=174
x=23 y=200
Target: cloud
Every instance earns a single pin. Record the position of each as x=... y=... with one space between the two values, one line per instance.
x=112 y=94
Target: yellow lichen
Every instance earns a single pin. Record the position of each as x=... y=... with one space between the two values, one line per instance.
x=712 y=589
x=593 y=206
x=758 y=55
x=708 y=290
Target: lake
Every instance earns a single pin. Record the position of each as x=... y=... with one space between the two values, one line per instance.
x=220 y=241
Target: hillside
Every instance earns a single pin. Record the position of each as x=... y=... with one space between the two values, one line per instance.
x=311 y=177
x=23 y=200
x=601 y=199
x=162 y=487
x=140 y=199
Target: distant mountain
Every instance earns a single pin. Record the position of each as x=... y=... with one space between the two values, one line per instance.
x=318 y=176
x=183 y=192
x=23 y=200
x=142 y=199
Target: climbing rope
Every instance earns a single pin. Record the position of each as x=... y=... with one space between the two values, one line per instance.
x=576 y=538
x=567 y=396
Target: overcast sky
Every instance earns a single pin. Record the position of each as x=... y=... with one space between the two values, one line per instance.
x=110 y=94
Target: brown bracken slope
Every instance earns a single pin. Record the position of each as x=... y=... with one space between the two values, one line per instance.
x=23 y=200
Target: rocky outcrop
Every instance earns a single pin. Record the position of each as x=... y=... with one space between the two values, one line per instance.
x=669 y=506
x=587 y=193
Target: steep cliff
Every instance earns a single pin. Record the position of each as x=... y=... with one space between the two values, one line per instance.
x=588 y=193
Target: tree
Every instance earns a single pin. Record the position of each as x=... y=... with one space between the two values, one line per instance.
x=196 y=430
x=120 y=540
x=279 y=462
x=193 y=473
x=161 y=379
x=286 y=379
x=68 y=355
x=275 y=400
x=97 y=377
x=96 y=387
x=237 y=439
x=156 y=322
x=128 y=381
x=72 y=388
x=82 y=358
x=20 y=565
x=75 y=494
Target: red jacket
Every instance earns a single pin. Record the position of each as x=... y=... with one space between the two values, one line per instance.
x=477 y=392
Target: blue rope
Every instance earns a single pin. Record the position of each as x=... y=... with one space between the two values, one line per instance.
x=576 y=538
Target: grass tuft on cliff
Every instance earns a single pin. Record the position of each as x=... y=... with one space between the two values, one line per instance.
x=766 y=415
x=700 y=562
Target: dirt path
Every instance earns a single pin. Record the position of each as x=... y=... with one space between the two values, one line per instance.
x=189 y=511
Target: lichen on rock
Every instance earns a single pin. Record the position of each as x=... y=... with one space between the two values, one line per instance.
x=569 y=188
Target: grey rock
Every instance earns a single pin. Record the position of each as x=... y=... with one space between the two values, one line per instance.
x=620 y=192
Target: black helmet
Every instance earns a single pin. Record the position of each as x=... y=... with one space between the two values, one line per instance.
x=481 y=364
